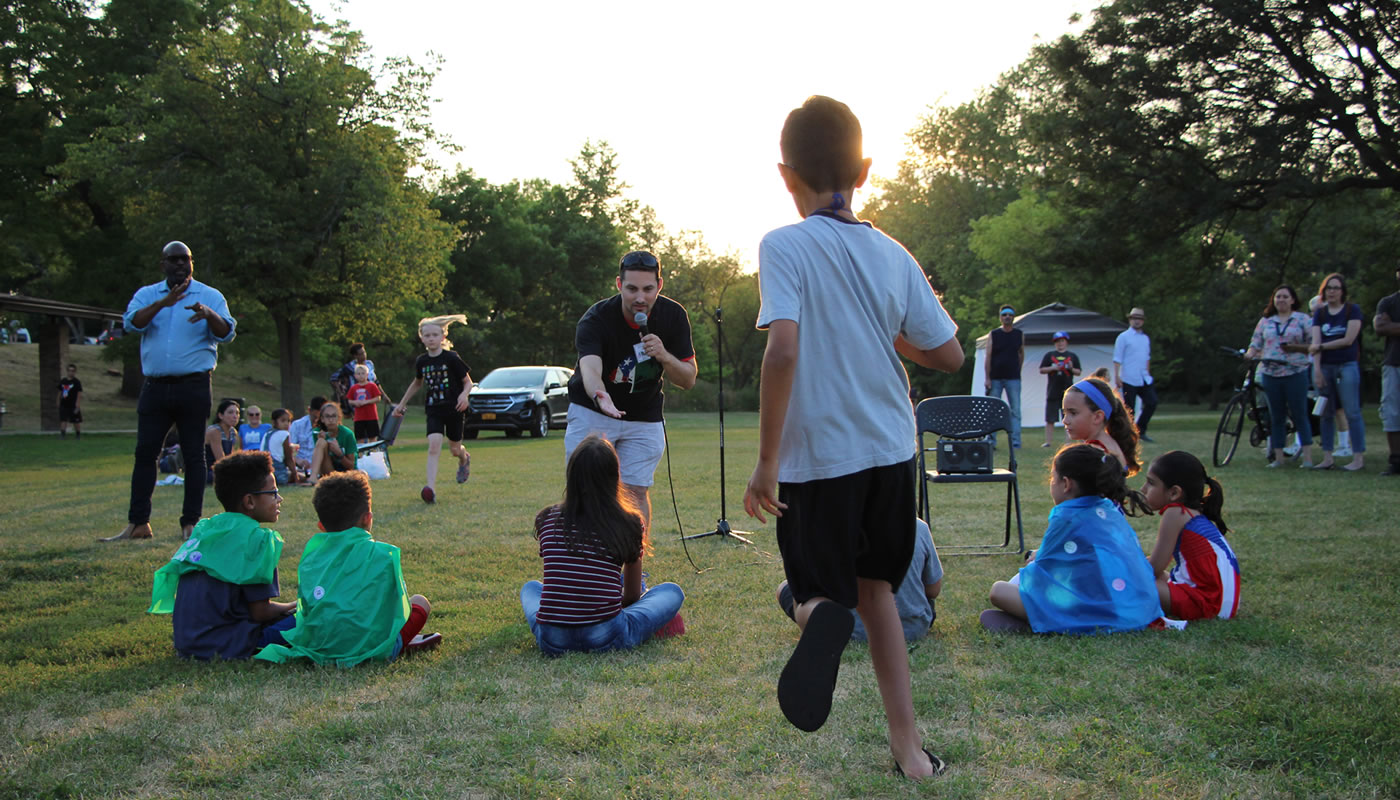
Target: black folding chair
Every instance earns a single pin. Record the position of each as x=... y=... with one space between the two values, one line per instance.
x=969 y=418
x=388 y=432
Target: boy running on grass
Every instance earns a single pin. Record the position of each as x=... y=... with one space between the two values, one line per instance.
x=841 y=302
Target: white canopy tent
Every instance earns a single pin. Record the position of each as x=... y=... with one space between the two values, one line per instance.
x=1091 y=338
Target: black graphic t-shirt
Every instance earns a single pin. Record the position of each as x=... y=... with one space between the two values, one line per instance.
x=68 y=390
x=1063 y=377
x=632 y=379
x=442 y=376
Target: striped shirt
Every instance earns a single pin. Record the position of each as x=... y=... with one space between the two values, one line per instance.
x=580 y=588
x=1206 y=563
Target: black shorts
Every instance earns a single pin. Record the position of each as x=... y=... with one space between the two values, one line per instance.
x=366 y=429
x=446 y=420
x=1052 y=412
x=72 y=415
x=854 y=526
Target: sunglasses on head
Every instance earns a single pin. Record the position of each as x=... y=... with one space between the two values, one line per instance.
x=640 y=258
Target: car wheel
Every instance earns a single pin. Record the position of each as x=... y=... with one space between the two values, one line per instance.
x=540 y=428
x=469 y=433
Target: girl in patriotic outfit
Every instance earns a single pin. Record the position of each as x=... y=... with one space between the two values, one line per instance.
x=1204 y=580
x=593 y=597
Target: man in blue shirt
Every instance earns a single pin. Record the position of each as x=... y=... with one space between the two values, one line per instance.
x=181 y=323
x=1132 y=369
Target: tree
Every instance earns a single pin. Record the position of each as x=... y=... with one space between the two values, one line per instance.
x=266 y=143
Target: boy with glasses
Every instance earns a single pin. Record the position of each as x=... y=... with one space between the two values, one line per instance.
x=626 y=345
x=841 y=302
x=220 y=584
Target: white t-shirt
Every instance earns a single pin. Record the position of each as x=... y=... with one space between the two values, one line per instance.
x=273 y=444
x=851 y=290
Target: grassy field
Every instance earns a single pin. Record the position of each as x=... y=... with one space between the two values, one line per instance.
x=1298 y=697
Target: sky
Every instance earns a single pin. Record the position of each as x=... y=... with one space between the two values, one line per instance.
x=692 y=97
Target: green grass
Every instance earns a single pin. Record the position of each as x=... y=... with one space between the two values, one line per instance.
x=1298 y=697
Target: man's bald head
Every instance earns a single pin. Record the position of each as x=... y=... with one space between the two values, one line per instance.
x=177 y=262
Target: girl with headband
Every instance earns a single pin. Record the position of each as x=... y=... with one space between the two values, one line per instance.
x=1095 y=416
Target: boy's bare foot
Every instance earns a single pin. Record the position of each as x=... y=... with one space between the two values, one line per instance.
x=186 y=530
x=131 y=531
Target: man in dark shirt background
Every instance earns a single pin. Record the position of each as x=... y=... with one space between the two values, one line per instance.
x=70 y=396
x=1006 y=352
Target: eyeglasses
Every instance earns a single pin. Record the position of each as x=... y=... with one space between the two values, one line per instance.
x=272 y=492
x=1332 y=286
x=255 y=413
x=177 y=258
x=640 y=258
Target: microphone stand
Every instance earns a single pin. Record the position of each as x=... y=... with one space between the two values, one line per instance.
x=721 y=525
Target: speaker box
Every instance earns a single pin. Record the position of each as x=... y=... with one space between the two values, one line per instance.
x=962 y=455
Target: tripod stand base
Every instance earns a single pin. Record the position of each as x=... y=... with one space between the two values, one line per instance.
x=722 y=529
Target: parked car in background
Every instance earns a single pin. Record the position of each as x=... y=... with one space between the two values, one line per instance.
x=112 y=333
x=518 y=399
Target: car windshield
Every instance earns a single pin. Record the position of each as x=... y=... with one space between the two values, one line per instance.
x=511 y=377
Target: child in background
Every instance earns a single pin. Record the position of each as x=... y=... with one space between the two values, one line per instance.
x=335 y=445
x=279 y=445
x=303 y=433
x=1089 y=575
x=1095 y=416
x=70 y=403
x=352 y=605
x=221 y=583
x=443 y=372
x=364 y=398
x=1204 y=581
x=585 y=542
x=254 y=432
x=220 y=439
x=1060 y=366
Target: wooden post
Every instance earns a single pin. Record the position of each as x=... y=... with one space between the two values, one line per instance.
x=53 y=355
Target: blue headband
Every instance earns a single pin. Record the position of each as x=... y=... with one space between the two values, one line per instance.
x=1092 y=392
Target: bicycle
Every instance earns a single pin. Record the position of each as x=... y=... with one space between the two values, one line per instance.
x=1248 y=403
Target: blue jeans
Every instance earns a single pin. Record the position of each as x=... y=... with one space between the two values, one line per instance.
x=1011 y=387
x=1342 y=383
x=1288 y=397
x=632 y=626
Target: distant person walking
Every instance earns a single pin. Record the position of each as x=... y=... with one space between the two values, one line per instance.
x=1132 y=370
x=1006 y=353
x=70 y=403
x=181 y=323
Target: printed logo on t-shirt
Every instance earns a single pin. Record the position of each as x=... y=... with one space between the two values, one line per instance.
x=436 y=378
x=637 y=375
x=318 y=592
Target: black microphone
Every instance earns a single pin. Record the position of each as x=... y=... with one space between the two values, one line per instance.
x=641 y=319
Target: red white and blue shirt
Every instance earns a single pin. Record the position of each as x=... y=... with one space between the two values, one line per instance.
x=1205 y=562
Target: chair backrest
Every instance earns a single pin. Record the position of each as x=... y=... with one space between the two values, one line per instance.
x=963 y=416
x=390 y=429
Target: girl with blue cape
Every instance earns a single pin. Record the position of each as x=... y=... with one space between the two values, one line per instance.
x=1090 y=574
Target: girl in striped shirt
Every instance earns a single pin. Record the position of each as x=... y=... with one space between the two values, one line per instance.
x=1204 y=580
x=592 y=598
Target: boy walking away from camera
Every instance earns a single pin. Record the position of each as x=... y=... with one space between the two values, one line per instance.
x=840 y=298
x=70 y=403
x=221 y=583
x=1059 y=366
x=352 y=605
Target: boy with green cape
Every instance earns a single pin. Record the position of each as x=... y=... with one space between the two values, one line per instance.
x=352 y=605
x=220 y=584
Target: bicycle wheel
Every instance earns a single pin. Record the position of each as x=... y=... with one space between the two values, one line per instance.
x=1259 y=433
x=1227 y=434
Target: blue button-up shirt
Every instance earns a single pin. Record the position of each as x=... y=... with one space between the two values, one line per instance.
x=171 y=344
x=1133 y=350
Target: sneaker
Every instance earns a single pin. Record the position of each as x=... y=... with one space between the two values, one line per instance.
x=1142 y=437
x=464 y=469
x=427 y=495
x=1342 y=452
x=1291 y=450
x=423 y=641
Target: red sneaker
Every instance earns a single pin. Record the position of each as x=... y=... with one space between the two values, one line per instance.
x=427 y=495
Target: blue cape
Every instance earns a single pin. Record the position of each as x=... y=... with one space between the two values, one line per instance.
x=1089 y=575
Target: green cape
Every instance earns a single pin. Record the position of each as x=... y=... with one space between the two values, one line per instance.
x=231 y=547
x=351 y=601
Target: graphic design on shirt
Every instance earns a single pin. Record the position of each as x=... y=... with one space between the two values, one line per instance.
x=1333 y=331
x=436 y=378
x=1063 y=363
x=638 y=376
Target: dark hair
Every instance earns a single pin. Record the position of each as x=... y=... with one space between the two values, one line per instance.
x=317 y=402
x=1322 y=287
x=240 y=474
x=639 y=261
x=1098 y=473
x=72 y=366
x=319 y=422
x=356 y=346
x=342 y=499
x=1118 y=421
x=821 y=142
x=1180 y=468
x=595 y=505
x=223 y=406
x=1269 y=309
x=278 y=413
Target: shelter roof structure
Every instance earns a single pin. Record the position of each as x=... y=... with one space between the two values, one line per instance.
x=1082 y=325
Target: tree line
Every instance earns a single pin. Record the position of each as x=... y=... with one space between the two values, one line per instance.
x=1181 y=155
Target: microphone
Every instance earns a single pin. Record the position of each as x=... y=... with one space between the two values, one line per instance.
x=641 y=319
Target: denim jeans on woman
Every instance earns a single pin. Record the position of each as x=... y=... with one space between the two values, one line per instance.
x=1288 y=397
x=632 y=626
x=1342 y=384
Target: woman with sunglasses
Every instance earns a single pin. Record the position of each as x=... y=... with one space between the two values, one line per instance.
x=1336 y=356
